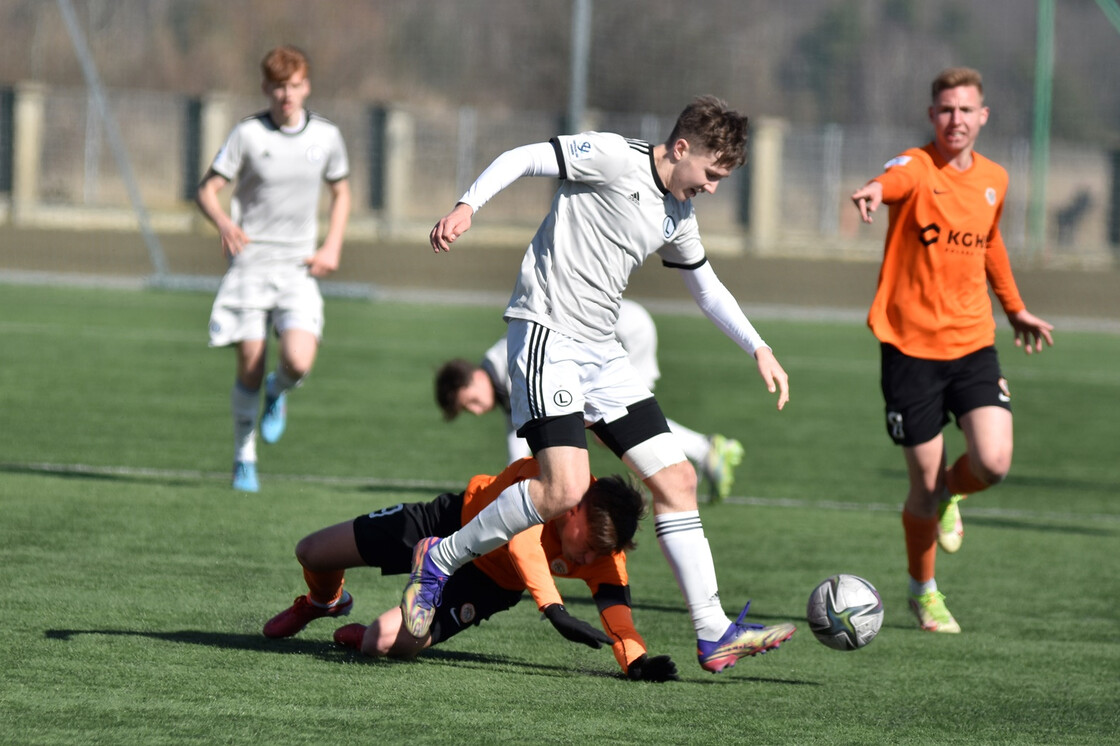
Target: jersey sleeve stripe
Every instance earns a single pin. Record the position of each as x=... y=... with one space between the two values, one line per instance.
x=677 y=265
x=555 y=142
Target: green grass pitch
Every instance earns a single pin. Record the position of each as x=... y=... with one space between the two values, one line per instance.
x=136 y=582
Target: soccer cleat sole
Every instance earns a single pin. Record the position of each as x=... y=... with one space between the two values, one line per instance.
x=417 y=613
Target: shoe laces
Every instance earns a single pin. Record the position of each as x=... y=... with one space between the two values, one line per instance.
x=747 y=625
x=934 y=604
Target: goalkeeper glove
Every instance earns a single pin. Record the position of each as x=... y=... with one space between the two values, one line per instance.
x=574 y=629
x=658 y=668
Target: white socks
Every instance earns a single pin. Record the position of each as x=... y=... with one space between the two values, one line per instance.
x=682 y=541
x=920 y=589
x=245 y=406
x=510 y=514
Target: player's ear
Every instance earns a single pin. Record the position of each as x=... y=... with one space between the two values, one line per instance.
x=679 y=149
x=984 y=112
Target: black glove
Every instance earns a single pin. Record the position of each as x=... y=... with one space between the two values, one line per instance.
x=658 y=668
x=574 y=629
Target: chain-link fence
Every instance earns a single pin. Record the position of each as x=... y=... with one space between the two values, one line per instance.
x=436 y=152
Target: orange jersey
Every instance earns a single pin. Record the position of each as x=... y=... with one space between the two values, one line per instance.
x=532 y=557
x=943 y=247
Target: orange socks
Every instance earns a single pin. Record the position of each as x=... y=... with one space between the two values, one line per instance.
x=324 y=588
x=921 y=545
x=960 y=480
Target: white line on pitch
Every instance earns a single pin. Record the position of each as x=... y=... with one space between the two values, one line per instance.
x=427 y=484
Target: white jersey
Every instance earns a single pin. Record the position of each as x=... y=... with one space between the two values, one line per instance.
x=610 y=213
x=279 y=176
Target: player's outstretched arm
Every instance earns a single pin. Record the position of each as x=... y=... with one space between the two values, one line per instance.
x=1030 y=331
x=867 y=199
x=575 y=630
x=720 y=306
x=538 y=159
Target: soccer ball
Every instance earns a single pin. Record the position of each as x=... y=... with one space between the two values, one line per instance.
x=845 y=612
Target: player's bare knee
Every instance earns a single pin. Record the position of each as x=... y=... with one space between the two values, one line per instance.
x=558 y=495
x=309 y=552
x=374 y=646
x=992 y=470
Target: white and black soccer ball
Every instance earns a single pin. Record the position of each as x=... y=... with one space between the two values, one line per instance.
x=845 y=612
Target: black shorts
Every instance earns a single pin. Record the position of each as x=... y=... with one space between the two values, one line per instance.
x=920 y=394
x=385 y=539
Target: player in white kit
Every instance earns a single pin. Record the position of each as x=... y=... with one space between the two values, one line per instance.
x=279 y=159
x=463 y=386
x=619 y=201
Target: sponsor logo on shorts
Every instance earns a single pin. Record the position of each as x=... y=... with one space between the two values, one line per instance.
x=562 y=398
x=387 y=511
x=466 y=614
x=894 y=423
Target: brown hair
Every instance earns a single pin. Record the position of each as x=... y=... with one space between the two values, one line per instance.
x=450 y=379
x=955 y=77
x=283 y=62
x=614 y=508
x=710 y=124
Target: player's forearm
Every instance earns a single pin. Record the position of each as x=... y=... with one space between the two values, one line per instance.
x=997 y=267
x=339 y=217
x=718 y=304
x=211 y=207
x=619 y=623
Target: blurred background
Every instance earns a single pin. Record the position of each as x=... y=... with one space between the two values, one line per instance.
x=111 y=110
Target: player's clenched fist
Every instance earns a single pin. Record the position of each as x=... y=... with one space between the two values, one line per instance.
x=454 y=224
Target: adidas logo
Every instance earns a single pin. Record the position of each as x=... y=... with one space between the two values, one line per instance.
x=635 y=198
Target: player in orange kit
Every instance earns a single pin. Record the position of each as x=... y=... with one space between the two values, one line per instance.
x=933 y=319
x=587 y=542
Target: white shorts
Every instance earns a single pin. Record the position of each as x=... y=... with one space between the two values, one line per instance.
x=252 y=296
x=552 y=375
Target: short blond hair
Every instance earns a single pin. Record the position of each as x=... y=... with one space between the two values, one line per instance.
x=955 y=77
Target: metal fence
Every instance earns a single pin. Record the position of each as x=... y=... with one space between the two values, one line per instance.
x=447 y=148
